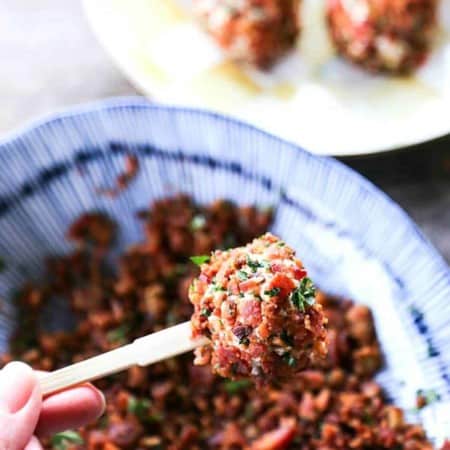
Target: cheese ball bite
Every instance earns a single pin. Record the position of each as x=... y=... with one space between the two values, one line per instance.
x=392 y=36
x=257 y=306
x=254 y=31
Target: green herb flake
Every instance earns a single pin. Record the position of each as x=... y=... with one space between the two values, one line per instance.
x=253 y=264
x=103 y=422
x=289 y=360
x=281 y=244
x=304 y=295
x=273 y=292
x=367 y=418
x=205 y=312
x=249 y=412
x=200 y=259
x=197 y=222
x=156 y=417
x=218 y=288
x=180 y=269
x=286 y=338
x=429 y=396
x=61 y=441
x=139 y=407
x=171 y=318
x=244 y=340
x=242 y=275
x=233 y=387
x=119 y=334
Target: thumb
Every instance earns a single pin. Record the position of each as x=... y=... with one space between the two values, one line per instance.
x=20 y=405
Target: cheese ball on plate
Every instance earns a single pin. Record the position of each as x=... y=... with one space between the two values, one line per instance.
x=254 y=31
x=392 y=36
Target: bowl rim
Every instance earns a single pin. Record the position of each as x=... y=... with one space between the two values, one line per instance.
x=112 y=103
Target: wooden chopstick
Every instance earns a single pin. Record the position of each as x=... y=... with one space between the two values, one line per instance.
x=142 y=352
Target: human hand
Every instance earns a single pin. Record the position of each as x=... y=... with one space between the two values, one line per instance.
x=24 y=415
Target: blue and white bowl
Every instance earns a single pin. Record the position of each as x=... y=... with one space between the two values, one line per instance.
x=352 y=238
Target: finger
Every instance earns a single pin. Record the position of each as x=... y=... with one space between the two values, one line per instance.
x=17 y=382
x=33 y=444
x=70 y=409
x=20 y=405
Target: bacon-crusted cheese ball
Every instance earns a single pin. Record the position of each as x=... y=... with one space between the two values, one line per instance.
x=254 y=31
x=383 y=35
x=257 y=306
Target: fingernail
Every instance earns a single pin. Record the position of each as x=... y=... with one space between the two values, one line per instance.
x=17 y=382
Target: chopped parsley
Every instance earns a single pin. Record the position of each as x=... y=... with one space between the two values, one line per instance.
x=62 y=441
x=244 y=341
x=119 y=334
x=253 y=264
x=273 y=292
x=205 y=312
x=367 y=418
x=103 y=422
x=180 y=269
x=427 y=396
x=200 y=259
x=233 y=387
x=218 y=288
x=197 y=222
x=304 y=295
x=286 y=338
x=242 y=275
x=156 y=417
x=289 y=360
x=171 y=318
x=249 y=412
x=139 y=407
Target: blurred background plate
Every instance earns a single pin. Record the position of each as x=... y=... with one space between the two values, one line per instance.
x=372 y=253
x=311 y=97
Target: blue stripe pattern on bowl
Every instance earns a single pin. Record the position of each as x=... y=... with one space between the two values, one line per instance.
x=353 y=239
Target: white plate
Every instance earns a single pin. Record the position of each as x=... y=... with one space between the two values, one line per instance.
x=311 y=97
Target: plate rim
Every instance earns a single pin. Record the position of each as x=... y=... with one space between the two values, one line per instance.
x=148 y=85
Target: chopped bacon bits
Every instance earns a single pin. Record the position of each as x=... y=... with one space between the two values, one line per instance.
x=176 y=405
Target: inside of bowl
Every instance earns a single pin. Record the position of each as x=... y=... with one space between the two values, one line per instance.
x=56 y=172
